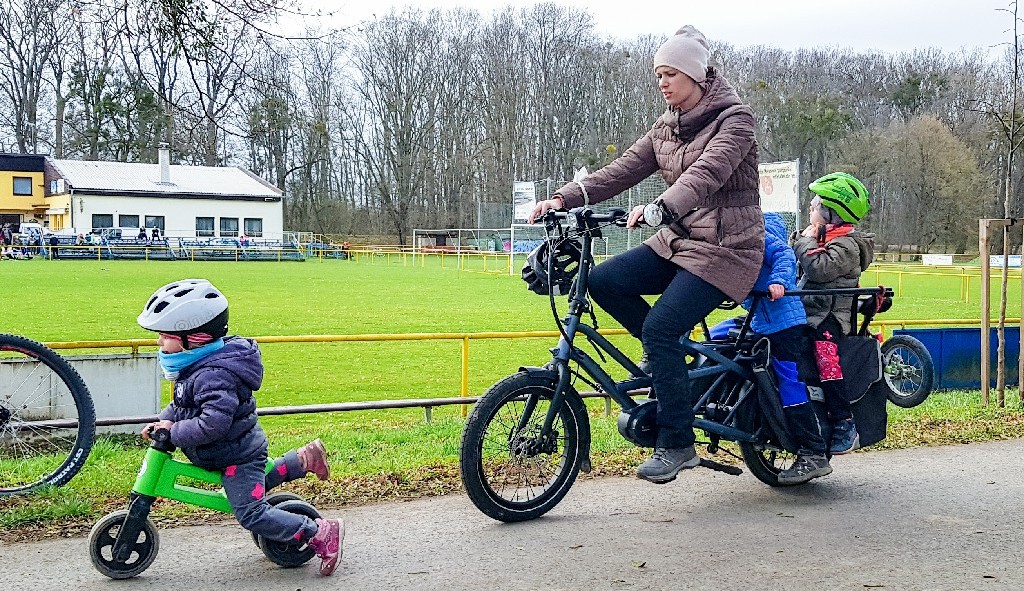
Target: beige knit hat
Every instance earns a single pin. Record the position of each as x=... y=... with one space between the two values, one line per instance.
x=686 y=51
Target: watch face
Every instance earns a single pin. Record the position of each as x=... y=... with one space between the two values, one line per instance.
x=653 y=214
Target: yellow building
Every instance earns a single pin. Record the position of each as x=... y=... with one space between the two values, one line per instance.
x=25 y=193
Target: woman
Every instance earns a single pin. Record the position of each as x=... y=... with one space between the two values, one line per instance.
x=711 y=249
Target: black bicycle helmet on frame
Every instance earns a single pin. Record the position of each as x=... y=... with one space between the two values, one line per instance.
x=565 y=263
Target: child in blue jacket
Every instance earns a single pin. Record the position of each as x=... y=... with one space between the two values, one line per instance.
x=212 y=417
x=782 y=319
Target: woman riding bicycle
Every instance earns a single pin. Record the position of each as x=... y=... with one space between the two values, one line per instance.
x=704 y=148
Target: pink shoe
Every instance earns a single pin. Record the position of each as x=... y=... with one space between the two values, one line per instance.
x=330 y=534
x=313 y=458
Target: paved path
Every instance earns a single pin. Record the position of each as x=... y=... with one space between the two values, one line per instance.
x=942 y=518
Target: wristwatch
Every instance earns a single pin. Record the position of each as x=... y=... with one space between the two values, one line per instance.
x=654 y=214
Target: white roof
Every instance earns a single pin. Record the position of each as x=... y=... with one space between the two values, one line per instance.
x=132 y=177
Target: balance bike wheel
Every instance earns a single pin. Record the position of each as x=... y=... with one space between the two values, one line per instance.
x=276 y=499
x=287 y=554
x=101 y=547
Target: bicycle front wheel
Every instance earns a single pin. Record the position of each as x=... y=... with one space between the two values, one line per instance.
x=511 y=472
x=47 y=419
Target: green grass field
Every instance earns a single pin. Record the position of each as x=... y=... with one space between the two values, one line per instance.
x=378 y=454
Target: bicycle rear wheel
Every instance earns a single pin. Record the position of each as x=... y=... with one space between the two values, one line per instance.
x=47 y=419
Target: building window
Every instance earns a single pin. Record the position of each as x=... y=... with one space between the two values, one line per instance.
x=155 y=221
x=254 y=227
x=228 y=227
x=204 y=227
x=127 y=221
x=23 y=185
x=102 y=220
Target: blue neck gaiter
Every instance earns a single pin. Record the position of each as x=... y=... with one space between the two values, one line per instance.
x=173 y=363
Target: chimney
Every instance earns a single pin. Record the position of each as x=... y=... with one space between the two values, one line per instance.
x=165 y=164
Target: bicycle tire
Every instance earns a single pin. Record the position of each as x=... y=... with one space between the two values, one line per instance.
x=908 y=370
x=476 y=462
x=101 y=547
x=765 y=459
x=39 y=392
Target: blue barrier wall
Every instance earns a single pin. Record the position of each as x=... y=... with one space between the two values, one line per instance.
x=957 y=354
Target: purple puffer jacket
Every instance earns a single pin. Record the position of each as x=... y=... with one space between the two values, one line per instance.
x=214 y=410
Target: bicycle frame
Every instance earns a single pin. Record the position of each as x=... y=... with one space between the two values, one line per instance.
x=571 y=325
x=158 y=477
x=160 y=474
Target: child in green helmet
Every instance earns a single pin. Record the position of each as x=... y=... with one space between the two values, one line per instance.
x=832 y=253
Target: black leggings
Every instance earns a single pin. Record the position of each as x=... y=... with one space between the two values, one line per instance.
x=617 y=285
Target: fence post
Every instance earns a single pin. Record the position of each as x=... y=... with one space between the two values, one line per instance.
x=465 y=373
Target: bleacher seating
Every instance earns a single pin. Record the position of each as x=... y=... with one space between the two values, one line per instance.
x=230 y=249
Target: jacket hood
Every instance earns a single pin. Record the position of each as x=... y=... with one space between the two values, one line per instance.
x=775 y=226
x=866 y=244
x=240 y=356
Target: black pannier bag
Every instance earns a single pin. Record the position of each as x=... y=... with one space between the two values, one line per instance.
x=861 y=360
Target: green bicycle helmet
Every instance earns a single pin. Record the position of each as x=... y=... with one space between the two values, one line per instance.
x=843 y=194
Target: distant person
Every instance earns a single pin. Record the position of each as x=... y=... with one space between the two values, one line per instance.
x=54 y=242
x=155 y=234
x=142 y=233
x=80 y=240
x=345 y=248
x=243 y=240
x=7 y=239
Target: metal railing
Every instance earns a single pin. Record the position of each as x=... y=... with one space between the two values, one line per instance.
x=427 y=404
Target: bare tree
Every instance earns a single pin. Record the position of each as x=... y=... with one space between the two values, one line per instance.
x=28 y=38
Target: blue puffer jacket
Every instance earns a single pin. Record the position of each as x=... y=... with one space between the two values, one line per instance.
x=779 y=267
x=214 y=410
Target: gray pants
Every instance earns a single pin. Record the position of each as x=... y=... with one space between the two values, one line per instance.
x=246 y=486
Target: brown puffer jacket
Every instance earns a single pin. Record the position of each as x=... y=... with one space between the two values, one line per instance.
x=708 y=157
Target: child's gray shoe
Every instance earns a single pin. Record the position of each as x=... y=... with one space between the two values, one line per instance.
x=804 y=469
x=666 y=462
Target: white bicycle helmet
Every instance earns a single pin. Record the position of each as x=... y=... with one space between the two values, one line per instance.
x=192 y=309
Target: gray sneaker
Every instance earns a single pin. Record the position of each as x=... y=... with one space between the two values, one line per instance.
x=645 y=363
x=804 y=469
x=667 y=462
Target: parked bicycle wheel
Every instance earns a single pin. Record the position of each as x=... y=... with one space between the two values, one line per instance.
x=509 y=472
x=47 y=419
x=908 y=370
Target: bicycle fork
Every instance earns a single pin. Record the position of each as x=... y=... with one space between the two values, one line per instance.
x=128 y=535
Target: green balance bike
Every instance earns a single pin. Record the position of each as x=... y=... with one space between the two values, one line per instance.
x=124 y=543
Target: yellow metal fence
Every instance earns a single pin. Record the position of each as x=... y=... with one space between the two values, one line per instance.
x=885 y=326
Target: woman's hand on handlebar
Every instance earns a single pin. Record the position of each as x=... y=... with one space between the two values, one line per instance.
x=636 y=216
x=543 y=207
x=776 y=291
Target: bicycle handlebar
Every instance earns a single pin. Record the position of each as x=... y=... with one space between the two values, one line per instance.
x=840 y=291
x=616 y=215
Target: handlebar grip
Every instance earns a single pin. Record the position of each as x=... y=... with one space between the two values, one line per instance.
x=161 y=435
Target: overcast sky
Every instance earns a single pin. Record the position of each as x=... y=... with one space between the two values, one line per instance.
x=884 y=25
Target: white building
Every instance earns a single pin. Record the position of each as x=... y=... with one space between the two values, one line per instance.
x=183 y=201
